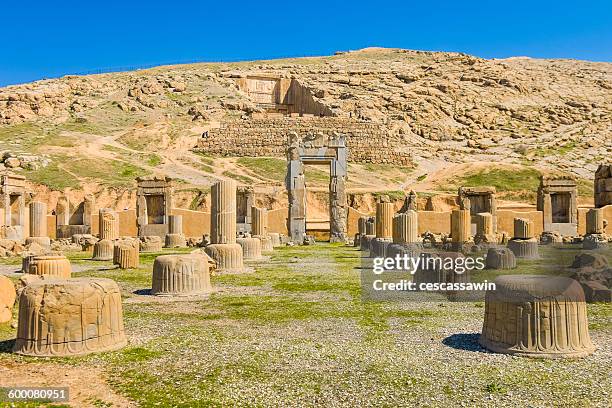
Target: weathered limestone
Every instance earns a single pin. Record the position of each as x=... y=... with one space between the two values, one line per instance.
x=595 y=228
x=12 y=200
x=74 y=218
x=223 y=212
x=224 y=250
x=228 y=257
x=70 y=317
x=259 y=222
x=384 y=220
x=7 y=299
x=316 y=149
x=151 y=243
x=50 y=265
x=276 y=239
x=603 y=185
x=180 y=275
x=126 y=254
x=251 y=248
x=109 y=224
x=245 y=195
x=460 y=226
x=266 y=244
x=153 y=205
x=103 y=250
x=361 y=230
x=500 y=258
x=175 y=237
x=536 y=316
x=38 y=219
x=485 y=232
x=479 y=200
x=557 y=199
x=175 y=241
x=595 y=221
x=371 y=226
x=523 y=228
x=523 y=244
x=405 y=228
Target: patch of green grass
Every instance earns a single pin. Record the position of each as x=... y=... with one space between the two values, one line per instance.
x=53 y=176
x=265 y=167
x=113 y=173
x=238 y=177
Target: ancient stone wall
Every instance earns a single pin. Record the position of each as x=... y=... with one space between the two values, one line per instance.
x=366 y=142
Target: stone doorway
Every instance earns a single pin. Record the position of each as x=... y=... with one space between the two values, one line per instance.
x=317 y=149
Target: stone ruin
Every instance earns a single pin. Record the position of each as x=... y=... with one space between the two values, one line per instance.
x=536 y=316
x=244 y=201
x=13 y=203
x=259 y=228
x=603 y=185
x=317 y=149
x=595 y=237
x=460 y=228
x=478 y=200
x=384 y=227
x=223 y=248
x=50 y=265
x=38 y=225
x=126 y=253
x=59 y=317
x=524 y=244
x=153 y=205
x=7 y=299
x=175 y=237
x=557 y=199
x=181 y=275
x=73 y=218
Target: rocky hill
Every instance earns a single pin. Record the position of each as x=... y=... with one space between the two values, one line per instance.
x=462 y=117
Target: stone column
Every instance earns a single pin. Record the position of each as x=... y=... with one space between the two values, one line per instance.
x=524 y=245
x=296 y=192
x=595 y=230
x=460 y=226
x=62 y=211
x=371 y=226
x=175 y=224
x=405 y=228
x=384 y=220
x=523 y=228
x=38 y=219
x=337 y=197
x=361 y=225
x=88 y=207
x=259 y=222
x=224 y=250
x=223 y=212
x=108 y=224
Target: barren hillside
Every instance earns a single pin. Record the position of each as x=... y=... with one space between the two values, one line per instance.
x=465 y=120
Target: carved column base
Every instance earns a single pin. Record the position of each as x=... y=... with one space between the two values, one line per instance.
x=524 y=248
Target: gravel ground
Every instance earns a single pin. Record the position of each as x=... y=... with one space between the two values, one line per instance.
x=296 y=333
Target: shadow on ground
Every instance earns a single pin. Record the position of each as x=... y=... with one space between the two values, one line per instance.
x=464 y=341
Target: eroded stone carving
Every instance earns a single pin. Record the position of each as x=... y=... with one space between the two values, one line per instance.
x=536 y=316
x=500 y=258
x=523 y=244
x=126 y=253
x=50 y=265
x=176 y=275
x=7 y=299
x=460 y=226
x=603 y=185
x=70 y=317
x=151 y=243
x=109 y=224
x=316 y=149
x=153 y=205
x=405 y=228
x=251 y=248
x=103 y=250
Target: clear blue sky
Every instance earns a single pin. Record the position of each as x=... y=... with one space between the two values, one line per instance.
x=50 y=39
